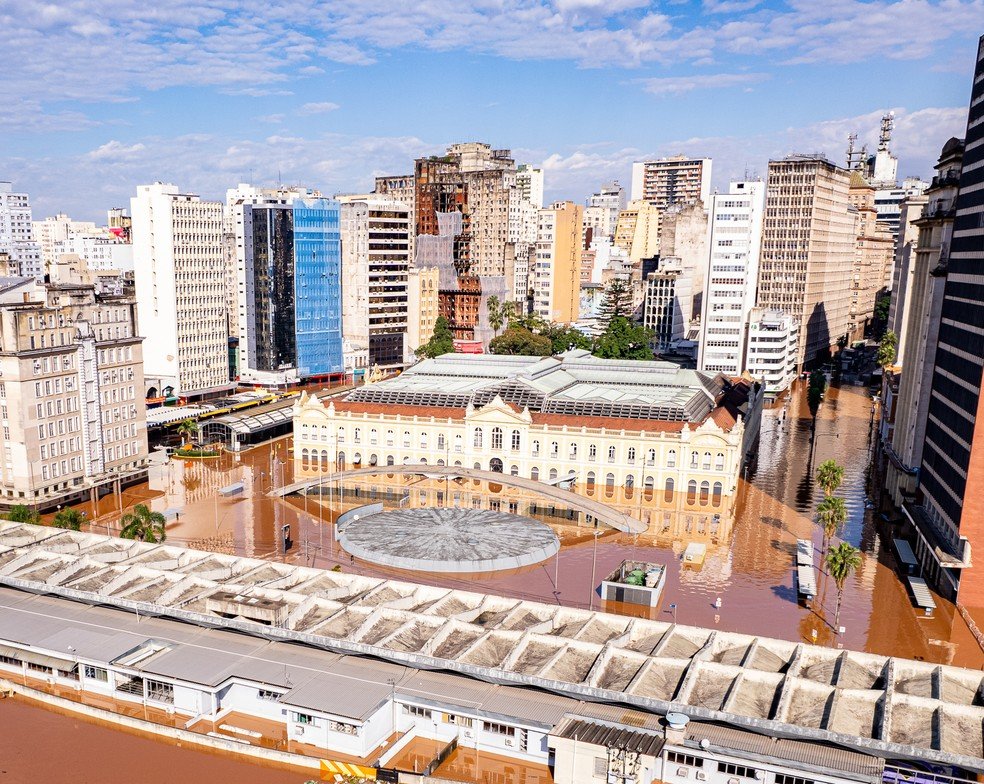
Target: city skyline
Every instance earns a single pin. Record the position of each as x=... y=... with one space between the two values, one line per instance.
x=206 y=97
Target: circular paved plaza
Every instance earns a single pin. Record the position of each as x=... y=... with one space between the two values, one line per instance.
x=449 y=540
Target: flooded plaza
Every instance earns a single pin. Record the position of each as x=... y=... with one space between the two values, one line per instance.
x=746 y=582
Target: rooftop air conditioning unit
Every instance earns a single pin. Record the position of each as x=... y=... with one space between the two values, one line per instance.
x=682 y=772
x=701 y=776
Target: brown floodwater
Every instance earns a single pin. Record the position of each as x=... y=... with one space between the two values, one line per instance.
x=84 y=752
x=749 y=561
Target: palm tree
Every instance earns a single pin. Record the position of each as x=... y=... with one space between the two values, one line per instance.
x=842 y=562
x=71 y=519
x=496 y=314
x=829 y=476
x=143 y=524
x=831 y=515
x=187 y=430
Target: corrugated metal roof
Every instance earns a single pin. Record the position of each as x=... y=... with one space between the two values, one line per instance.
x=328 y=693
x=534 y=706
x=609 y=737
x=817 y=754
x=619 y=715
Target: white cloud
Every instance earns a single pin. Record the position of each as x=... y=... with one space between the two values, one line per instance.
x=116 y=151
x=677 y=85
x=320 y=107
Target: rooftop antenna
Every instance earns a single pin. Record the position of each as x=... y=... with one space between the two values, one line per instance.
x=885 y=134
x=852 y=139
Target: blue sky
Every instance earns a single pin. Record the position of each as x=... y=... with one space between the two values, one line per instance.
x=99 y=97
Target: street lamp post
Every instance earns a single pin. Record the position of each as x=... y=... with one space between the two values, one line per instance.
x=594 y=562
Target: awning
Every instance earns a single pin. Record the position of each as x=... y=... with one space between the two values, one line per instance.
x=41 y=659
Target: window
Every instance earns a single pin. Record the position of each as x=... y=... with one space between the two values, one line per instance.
x=39 y=668
x=705 y=490
x=458 y=721
x=416 y=710
x=406 y=439
x=670 y=458
x=611 y=454
x=601 y=767
x=573 y=452
x=736 y=770
x=668 y=491
x=694 y=458
x=592 y=452
x=302 y=718
x=707 y=461
x=591 y=480
x=96 y=673
x=497 y=438
x=515 y=440
x=678 y=758
x=716 y=494
x=160 y=691
x=535 y=474
x=389 y=437
x=719 y=461
x=477 y=442
x=343 y=728
x=553 y=474
x=441 y=442
x=692 y=491
x=782 y=778
x=499 y=729
x=554 y=449
x=372 y=436
x=458 y=441
x=268 y=694
x=341 y=435
x=632 y=454
x=536 y=449
x=358 y=435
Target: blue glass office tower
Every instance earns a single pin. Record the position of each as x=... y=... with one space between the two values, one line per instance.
x=293 y=292
x=318 y=287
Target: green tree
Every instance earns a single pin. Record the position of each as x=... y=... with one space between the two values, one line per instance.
x=887 y=349
x=528 y=321
x=829 y=476
x=882 y=305
x=617 y=301
x=188 y=429
x=497 y=313
x=563 y=338
x=519 y=341
x=72 y=519
x=143 y=524
x=23 y=514
x=831 y=516
x=624 y=340
x=441 y=342
x=842 y=562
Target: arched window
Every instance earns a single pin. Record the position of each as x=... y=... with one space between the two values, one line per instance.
x=573 y=452
x=341 y=434
x=358 y=435
x=406 y=439
x=514 y=470
x=632 y=454
x=536 y=449
x=591 y=480
x=389 y=460
x=373 y=437
x=592 y=452
x=440 y=461
x=670 y=458
x=324 y=458
x=707 y=461
x=609 y=485
x=406 y=460
x=629 y=482
x=554 y=449
x=478 y=467
x=458 y=441
x=497 y=438
x=719 y=461
x=515 y=440
x=611 y=454
x=651 y=457
x=423 y=460
x=477 y=442
x=705 y=492
x=340 y=460
x=423 y=440
x=692 y=491
x=535 y=473
x=304 y=458
x=553 y=474
x=668 y=491
x=390 y=436
x=716 y=494
x=440 y=442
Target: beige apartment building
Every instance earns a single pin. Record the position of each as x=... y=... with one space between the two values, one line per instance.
x=556 y=277
x=637 y=230
x=674 y=180
x=872 y=255
x=55 y=229
x=423 y=305
x=808 y=250
x=71 y=392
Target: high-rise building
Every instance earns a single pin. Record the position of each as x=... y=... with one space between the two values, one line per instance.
x=888 y=204
x=289 y=287
x=808 y=243
x=951 y=477
x=637 y=230
x=916 y=321
x=181 y=291
x=401 y=188
x=676 y=180
x=423 y=305
x=872 y=255
x=99 y=250
x=903 y=271
x=683 y=235
x=882 y=168
x=375 y=267
x=669 y=302
x=529 y=183
x=17 y=233
x=731 y=279
x=771 y=349
x=71 y=392
x=601 y=212
x=53 y=230
x=556 y=278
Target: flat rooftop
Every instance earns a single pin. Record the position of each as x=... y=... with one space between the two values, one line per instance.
x=875 y=704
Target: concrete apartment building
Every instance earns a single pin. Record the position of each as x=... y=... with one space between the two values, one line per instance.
x=731 y=279
x=676 y=180
x=669 y=303
x=101 y=251
x=556 y=277
x=529 y=184
x=17 y=233
x=181 y=289
x=71 y=390
x=637 y=230
x=771 y=350
x=949 y=521
x=423 y=305
x=401 y=188
x=903 y=269
x=874 y=249
x=917 y=321
x=808 y=250
x=53 y=230
x=289 y=286
x=375 y=269
x=602 y=210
